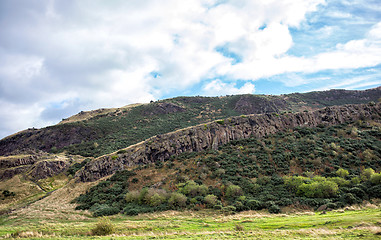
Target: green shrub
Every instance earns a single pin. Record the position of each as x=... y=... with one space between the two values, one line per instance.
x=156 y=197
x=211 y=200
x=104 y=210
x=331 y=205
x=342 y=173
x=375 y=191
x=324 y=189
x=340 y=181
x=177 y=200
x=253 y=204
x=294 y=182
x=274 y=209
x=239 y=206
x=366 y=174
x=133 y=209
x=375 y=179
x=103 y=227
x=228 y=209
x=192 y=189
x=233 y=191
x=132 y=196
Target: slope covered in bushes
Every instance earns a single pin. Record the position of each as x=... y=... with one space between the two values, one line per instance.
x=303 y=167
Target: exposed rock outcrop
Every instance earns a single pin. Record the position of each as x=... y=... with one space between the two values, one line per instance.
x=214 y=134
x=252 y=104
x=37 y=166
x=10 y=172
x=15 y=162
x=163 y=108
x=45 y=169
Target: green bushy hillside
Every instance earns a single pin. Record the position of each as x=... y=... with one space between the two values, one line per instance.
x=304 y=168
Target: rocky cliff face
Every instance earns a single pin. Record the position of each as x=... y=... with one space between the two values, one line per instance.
x=214 y=134
x=36 y=166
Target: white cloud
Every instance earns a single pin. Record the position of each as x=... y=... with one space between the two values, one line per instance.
x=92 y=53
x=219 y=88
x=351 y=55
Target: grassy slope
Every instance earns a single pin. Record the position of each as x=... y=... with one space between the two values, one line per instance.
x=354 y=223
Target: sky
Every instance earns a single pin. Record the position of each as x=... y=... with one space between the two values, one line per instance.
x=59 y=57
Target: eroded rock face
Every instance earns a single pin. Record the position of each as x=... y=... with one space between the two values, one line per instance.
x=214 y=134
x=15 y=162
x=163 y=108
x=37 y=166
x=251 y=104
x=45 y=169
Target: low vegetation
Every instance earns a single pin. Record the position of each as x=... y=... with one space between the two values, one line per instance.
x=361 y=221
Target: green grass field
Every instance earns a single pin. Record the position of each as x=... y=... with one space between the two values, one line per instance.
x=352 y=223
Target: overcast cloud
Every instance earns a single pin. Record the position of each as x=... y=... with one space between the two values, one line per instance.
x=60 y=57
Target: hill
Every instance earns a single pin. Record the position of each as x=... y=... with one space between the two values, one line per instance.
x=320 y=167
x=103 y=131
x=296 y=152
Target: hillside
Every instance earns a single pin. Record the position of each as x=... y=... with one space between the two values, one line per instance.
x=303 y=168
x=214 y=134
x=224 y=161
x=103 y=131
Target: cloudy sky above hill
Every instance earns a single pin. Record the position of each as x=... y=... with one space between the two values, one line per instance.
x=59 y=57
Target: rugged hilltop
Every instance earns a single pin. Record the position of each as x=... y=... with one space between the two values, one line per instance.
x=214 y=134
x=104 y=131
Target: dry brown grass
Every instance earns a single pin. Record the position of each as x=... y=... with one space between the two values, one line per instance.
x=84 y=115
x=24 y=190
x=56 y=206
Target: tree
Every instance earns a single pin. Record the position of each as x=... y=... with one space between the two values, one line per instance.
x=366 y=174
x=376 y=179
x=233 y=191
x=342 y=173
x=177 y=200
x=211 y=200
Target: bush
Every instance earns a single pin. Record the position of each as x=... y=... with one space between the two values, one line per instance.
x=342 y=173
x=294 y=182
x=322 y=189
x=228 y=209
x=367 y=174
x=104 y=210
x=274 y=209
x=177 y=200
x=233 y=191
x=155 y=197
x=132 y=196
x=254 y=204
x=192 y=189
x=376 y=179
x=103 y=227
x=211 y=200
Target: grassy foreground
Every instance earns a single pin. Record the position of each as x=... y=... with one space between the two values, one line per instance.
x=351 y=223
